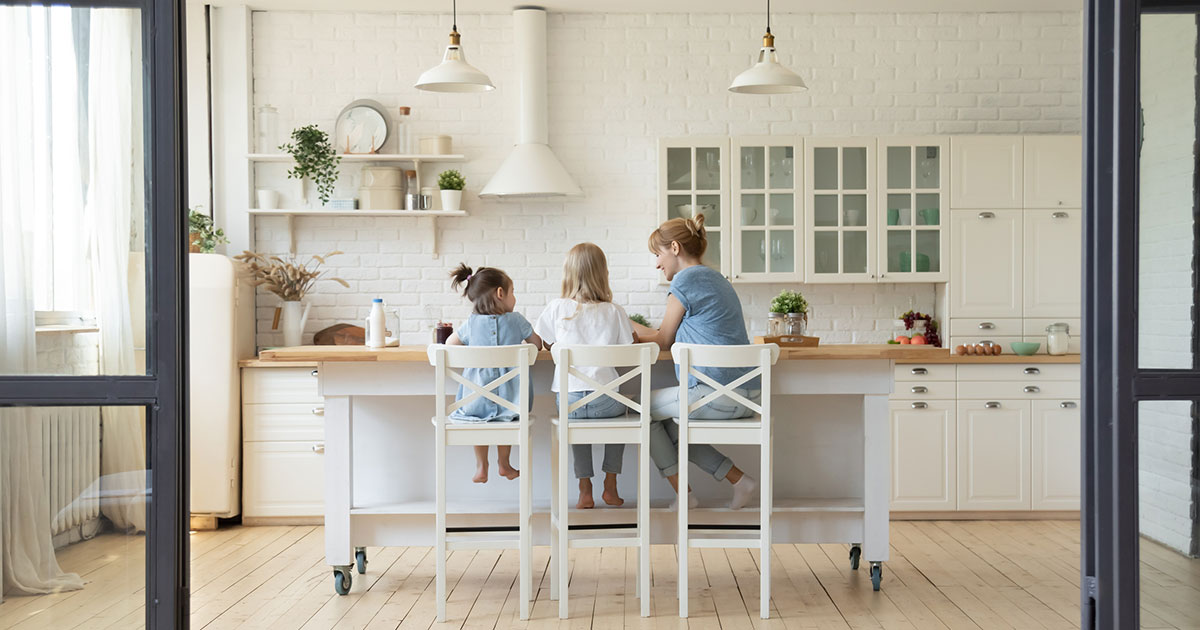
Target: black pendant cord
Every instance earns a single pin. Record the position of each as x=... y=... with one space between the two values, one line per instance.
x=454 y=19
x=768 y=17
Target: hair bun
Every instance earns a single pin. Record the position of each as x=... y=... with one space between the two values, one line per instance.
x=696 y=225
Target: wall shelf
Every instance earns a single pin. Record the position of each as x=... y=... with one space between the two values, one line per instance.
x=291 y=215
x=372 y=157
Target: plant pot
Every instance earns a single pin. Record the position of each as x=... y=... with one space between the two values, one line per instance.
x=194 y=243
x=451 y=200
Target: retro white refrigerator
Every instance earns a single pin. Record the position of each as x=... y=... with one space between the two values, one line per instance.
x=220 y=333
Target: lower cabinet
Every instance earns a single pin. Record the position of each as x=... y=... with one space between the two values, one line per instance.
x=284 y=479
x=924 y=454
x=1056 y=454
x=993 y=455
x=283 y=443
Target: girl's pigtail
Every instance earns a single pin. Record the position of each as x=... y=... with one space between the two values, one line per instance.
x=459 y=277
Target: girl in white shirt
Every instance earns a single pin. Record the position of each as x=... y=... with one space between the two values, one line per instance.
x=585 y=315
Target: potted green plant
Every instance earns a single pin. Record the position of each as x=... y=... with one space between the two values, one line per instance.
x=640 y=319
x=451 y=182
x=203 y=236
x=314 y=159
x=795 y=308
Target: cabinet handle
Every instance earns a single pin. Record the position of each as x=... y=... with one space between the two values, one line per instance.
x=919 y=389
x=919 y=405
x=1067 y=405
x=991 y=405
x=1032 y=389
x=986 y=326
x=986 y=342
x=987 y=215
x=1032 y=370
x=314 y=374
x=318 y=411
x=920 y=371
x=319 y=448
x=1059 y=215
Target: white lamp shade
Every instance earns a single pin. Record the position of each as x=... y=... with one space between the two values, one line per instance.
x=767 y=76
x=454 y=74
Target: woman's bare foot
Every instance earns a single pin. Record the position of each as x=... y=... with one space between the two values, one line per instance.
x=586 y=502
x=507 y=471
x=610 y=495
x=481 y=473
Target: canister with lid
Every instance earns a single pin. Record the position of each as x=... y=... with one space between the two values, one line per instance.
x=1058 y=338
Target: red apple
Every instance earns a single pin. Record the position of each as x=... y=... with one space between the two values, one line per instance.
x=903 y=340
x=918 y=340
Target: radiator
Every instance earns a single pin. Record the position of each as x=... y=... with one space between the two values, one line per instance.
x=71 y=465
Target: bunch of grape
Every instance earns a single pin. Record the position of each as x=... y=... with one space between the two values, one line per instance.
x=931 y=328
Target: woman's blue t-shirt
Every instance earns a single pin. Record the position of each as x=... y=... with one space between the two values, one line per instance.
x=712 y=316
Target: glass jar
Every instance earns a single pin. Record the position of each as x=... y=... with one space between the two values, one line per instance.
x=775 y=324
x=266 y=129
x=403 y=134
x=796 y=324
x=1058 y=338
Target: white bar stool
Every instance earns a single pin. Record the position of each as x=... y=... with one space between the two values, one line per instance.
x=619 y=430
x=446 y=360
x=750 y=430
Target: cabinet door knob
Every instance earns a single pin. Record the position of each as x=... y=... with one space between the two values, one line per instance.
x=920 y=371
x=318 y=448
x=318 y=411
x=986 y=342
x=919 y=405
x=1032 y=389
x=987 y=215
x=314 y=374
x=1067 y=405
x=1059 y=215
x=1032 y=370
x=919 y=389
x=986 y=326
x=991 y=405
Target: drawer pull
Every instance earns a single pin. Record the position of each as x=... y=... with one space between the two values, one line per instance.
x=991 y=405
x=986 y=326
x=987 y=215
x=1059 y=215
x=314 y=374
x=987 y=342
x=319 y=448
x=1032 y=370
x=1032 y=389
x=920 y=389
x=318 y=411
x=920 y=371
x=1067 y=405
x=919 y=405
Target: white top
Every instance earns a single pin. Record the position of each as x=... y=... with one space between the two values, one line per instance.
x=598 y=324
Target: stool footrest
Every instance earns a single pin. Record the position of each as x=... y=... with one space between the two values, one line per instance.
x=601 y=526
x=725 y=543
x=483 y=528
x=724 y=526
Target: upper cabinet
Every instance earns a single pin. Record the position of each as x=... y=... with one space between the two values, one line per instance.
x=986 y=172
x=1053 y=263
x=766 y=179
x=1053 y=172
x=914 y=174
x=988 y=263
x=693 y=179
x=841 y=224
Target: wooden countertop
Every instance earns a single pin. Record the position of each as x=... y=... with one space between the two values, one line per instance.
x=310 y=354
x=1003 y=358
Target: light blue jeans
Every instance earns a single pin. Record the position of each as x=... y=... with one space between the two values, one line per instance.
x=664 y=431
x=600 y=407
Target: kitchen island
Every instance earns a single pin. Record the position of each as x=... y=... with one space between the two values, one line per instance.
x=831 y=477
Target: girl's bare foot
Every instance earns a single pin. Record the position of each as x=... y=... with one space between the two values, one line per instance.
x=481 y=473
x=586 y=502
x=507 y=471
x=610 y=495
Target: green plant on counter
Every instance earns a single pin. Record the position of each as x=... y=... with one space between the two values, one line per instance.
x=789 y=302
x=639 y=318
x=451 y=180
x=206 y=235
x=314 y=158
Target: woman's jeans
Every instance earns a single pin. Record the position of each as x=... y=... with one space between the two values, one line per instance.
x=664 y=431
x=599 y=407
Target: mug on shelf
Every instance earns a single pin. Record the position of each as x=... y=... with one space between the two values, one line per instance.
x=267 y=199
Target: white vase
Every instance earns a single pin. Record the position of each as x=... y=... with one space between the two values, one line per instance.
x=451 y=200
x=295 y=315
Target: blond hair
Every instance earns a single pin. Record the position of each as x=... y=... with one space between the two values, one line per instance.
x=585 y=275
x=689 y=233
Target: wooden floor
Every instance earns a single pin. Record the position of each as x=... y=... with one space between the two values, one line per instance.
x=974 y=574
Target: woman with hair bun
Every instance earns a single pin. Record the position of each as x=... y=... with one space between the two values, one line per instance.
x=702 y=308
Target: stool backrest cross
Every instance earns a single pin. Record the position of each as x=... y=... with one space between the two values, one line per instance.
x=757 y=357
x=638 y=356
x=448 y=360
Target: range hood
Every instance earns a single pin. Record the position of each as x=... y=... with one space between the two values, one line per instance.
x=532 y=169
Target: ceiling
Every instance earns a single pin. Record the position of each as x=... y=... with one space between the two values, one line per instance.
x=668 y=6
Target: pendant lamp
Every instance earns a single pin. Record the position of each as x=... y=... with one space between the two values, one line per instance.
x=454 y=74
x=767 y=76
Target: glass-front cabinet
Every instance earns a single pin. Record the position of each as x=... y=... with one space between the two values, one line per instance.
x=694 y=180
x=840 y=224
x=766 y=198
x=913 y=184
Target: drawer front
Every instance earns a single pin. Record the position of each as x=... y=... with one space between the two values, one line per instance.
x=1029 y=390
x=1032 y=372
x=924 y=373
x=1002 y=341
x=924 y=390
x=281 y=422
x=283 y=479
x=279 y=385
x=985 y=328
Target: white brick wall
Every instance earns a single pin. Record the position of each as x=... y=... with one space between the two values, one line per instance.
x=616 y=84
x=1165 y=439
x=66 y=353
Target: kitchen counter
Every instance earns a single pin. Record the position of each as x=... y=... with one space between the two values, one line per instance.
x=945 y=357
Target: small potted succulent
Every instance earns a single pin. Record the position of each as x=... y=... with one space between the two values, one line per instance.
x=793 y=306
x=451 y=182
x=203 y=236
x=315 y=160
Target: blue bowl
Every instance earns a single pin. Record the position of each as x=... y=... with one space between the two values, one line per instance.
x=1025 y=348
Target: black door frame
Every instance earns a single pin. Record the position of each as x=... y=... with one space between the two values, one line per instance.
x=164 y=389
x=1112 y=382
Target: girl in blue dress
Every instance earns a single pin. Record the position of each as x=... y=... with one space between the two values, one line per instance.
x=493 y=323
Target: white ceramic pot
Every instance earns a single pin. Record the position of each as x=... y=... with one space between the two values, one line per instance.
x=451 y=200
x=294 y=316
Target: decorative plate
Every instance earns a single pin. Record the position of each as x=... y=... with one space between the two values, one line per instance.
x=362 y=127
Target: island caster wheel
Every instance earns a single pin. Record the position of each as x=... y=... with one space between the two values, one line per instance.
x=342 y=579
x=360 y=559
x=876 y=575
x=855 y=553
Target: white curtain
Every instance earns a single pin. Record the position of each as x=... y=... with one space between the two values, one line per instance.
x=115 y=158
x=27 y=562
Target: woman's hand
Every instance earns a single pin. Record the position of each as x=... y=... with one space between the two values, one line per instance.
x=642 y=333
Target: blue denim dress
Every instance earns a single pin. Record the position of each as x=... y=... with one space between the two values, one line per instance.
x=491 y=330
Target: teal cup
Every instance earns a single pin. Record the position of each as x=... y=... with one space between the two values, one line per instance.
x=931 y=216
x=893 y=216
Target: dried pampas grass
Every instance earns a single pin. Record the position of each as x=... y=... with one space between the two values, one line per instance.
x=288 y=278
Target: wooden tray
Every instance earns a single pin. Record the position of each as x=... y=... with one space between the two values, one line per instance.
x=788 y=341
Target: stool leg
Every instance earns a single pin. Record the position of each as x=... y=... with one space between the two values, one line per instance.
x=766 y=504
x=526 y=572
x=564 y=522
x=440 y=484
x=682 y=503
x=555 y=511
x=643 y=499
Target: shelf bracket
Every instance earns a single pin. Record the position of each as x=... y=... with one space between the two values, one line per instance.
x=291 y=228
x=433 y=235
